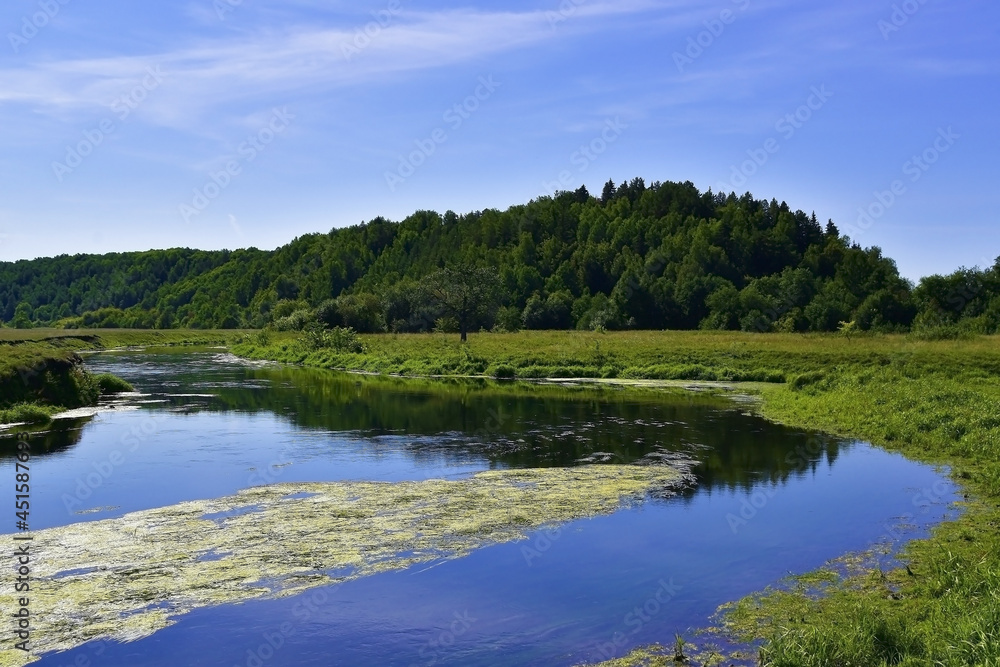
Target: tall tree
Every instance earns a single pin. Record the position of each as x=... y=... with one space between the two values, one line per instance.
x=465 y=292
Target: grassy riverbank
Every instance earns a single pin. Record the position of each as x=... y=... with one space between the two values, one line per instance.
x=681 y=355
x=944 y=608
x=41 y=372
x=935 y=401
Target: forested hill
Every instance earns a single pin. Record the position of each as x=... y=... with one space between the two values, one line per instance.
x=664 y=256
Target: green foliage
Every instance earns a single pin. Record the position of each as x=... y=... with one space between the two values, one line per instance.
x=508 y=320
x=262 y=337
x=663 y=256
x=111 y=384
x=26 y=413
x=502 y=372
x=296 y=321
x=806 y=379
x=465 y=294
x=22 y=316
x=39 y=378
x=848 y=329
x=339 y=339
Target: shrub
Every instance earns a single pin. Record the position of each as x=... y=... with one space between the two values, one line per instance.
x=111 y=384
x=25 y=413
x=502 y=372
x=297 y=321
x=340 y=339
x=447 y=324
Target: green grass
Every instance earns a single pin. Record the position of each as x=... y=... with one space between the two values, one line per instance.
x=109 y=338
x=944 y=609
x=111 y=384
x=689 y=355
x=27 y=413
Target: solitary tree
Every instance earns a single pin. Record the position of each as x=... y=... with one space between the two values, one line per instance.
x=465 y=292
x=22 y=316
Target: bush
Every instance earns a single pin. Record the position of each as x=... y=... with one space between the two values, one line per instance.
x=297 y=321
x=328 y=314
x=508 y=320
x=26 y=413
x=446 y=325
x=361 y=312
x=286 y=307
x=262 y=338
x=502 y=372
x=340 y=339
x=111 y=384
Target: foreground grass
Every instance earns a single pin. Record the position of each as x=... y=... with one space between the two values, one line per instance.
x=944 y=607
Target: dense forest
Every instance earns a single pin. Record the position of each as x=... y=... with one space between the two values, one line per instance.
x=662 y=256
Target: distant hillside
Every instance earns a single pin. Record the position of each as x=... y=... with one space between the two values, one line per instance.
x=664 y=256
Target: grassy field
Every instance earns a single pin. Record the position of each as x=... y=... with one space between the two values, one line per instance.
x=682 y=355
x=935 y=401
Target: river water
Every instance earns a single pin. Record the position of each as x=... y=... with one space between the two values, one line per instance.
x=768 y=501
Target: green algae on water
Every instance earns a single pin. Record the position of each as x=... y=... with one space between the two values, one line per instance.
x=126 y=578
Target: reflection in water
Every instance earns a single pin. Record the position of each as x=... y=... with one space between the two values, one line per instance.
x=476 y=421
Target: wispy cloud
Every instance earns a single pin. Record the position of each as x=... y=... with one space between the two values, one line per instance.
x=267 y=63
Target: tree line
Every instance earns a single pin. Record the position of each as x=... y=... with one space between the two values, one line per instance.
x=659 y=256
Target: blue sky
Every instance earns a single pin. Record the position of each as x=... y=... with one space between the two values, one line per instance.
x=231 y=123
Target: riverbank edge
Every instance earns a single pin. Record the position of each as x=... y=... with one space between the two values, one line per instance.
x=40 y=379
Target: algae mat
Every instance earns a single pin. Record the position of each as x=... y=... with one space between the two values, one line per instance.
x=125 y=578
